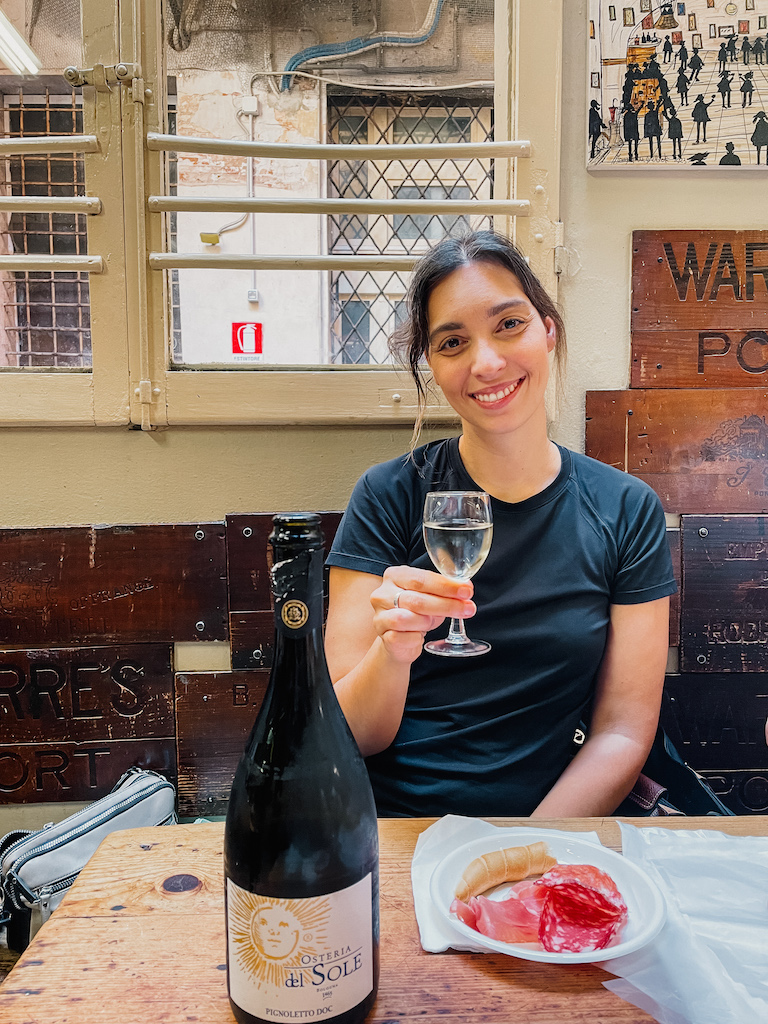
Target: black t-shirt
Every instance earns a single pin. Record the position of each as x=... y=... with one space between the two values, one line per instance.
x=490 y=735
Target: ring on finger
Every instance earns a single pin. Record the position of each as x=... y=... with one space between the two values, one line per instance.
x=396 y=600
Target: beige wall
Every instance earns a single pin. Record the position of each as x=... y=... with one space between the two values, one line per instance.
x=67 y=477
x=600 y=211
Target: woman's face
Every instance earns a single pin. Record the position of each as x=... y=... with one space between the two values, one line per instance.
x=489 y=348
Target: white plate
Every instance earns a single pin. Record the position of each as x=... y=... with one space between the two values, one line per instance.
x=645 y=903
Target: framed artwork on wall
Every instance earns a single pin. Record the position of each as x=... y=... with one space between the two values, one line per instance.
x=664 y=93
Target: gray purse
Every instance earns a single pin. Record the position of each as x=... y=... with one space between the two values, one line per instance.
x=37 y=868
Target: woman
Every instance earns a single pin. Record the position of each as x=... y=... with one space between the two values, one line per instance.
x=573 y=596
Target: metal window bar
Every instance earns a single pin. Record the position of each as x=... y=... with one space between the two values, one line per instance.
x=353 y=203
x=379 y=153
x=45 y=295
x=173 y=277
x=419 y=199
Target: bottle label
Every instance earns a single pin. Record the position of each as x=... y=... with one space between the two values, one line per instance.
x=304 y=959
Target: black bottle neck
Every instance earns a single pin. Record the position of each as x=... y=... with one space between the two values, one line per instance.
x=297 y=587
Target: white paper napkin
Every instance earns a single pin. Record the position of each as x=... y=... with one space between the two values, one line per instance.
x=709 y=963
x=432 y=845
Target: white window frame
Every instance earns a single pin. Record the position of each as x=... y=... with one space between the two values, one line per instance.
x=131 y=381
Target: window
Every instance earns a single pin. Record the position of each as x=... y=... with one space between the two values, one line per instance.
x=117 y=327
x=396 y=119
x=46 y=315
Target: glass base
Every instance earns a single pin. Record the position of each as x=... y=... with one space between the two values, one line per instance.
x=466 y=649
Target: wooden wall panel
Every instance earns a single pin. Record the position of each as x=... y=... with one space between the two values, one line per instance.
x=119 y=584
x=250 y=602
x=50 y=772
x=82 y=694
x=703 y=279
x=73 y=720
x=699 y=309
x=726 y=358
x=717 y=721
x=214 y=715
x=724 y=623
x=701 y=451
x=745 y=792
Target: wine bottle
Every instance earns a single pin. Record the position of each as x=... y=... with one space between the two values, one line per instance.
x=301 y=840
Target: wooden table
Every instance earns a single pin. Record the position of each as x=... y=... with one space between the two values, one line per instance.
x=140 y=939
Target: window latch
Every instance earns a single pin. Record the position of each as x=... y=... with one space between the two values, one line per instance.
x=103 y=76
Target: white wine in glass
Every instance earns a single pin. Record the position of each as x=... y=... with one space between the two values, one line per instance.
x=458 y=527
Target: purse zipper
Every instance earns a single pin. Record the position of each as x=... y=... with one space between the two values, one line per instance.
x=12 y=879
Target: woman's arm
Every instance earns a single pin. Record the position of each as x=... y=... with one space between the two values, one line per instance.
x=625 y=715
x=370 y=644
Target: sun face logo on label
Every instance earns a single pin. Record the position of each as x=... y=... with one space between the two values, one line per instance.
x=300 y=959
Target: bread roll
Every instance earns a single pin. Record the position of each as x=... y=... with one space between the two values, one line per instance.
x=509 y=865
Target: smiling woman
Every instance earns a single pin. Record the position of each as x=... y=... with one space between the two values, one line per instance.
x=573 y=596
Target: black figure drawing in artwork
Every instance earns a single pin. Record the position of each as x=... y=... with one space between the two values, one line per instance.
x=724 y=87
x=730 y=157
x=596 y=125
x=700 y=115
x=667 y=50
x=682 y=55
x=682 y=87
x=699 y=159
x=722 y=58
x=675 y=133
x=652 y=128
x=746 y=49
x=695 y=64
x=759 y=137
x=747 y=88
x=632 y=75
x=758 y=50
x=631 y=129
x=731 y=47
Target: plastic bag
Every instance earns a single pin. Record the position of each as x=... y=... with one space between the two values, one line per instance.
x=709 y=964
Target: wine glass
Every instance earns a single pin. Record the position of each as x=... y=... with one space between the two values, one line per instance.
x=458 y=527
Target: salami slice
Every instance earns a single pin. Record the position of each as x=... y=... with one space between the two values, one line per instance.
x=584 y=909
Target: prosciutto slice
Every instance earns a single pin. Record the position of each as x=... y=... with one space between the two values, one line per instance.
x=572 y=908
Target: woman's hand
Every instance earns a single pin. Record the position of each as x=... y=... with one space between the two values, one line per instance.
x=374 y=632
x=411 y=602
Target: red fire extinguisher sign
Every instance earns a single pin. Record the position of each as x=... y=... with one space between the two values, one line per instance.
x=246 y=339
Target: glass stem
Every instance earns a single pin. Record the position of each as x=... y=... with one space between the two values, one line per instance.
x=457 y=634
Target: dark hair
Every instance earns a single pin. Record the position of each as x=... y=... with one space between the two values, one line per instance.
x=410 y=341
